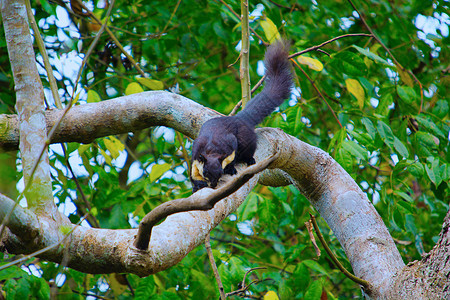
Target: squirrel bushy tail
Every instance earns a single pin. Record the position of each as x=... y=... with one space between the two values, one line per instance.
x=277 y=85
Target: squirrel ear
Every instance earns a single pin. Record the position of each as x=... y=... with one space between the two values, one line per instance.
x=228 y=159
x=197 y=171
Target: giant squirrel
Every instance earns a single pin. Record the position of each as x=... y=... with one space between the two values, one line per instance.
x=224 y=142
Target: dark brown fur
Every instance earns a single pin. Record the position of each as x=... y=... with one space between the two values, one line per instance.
x=225 y=141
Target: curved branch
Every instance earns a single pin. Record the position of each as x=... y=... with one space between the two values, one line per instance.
x=87 y=122
x=346 y=209
x=195 y=203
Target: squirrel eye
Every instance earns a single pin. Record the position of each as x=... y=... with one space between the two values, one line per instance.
x=201 y=158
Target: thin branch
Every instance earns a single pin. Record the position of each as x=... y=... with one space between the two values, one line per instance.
x=171 y=17
x=251 y=29
x=245 y=287
x=41 y=47
x=214 y=267
x=315 y=48
x=367 y=286
x=113 y=37
x=195 y=203
x=318 y=91
x=390 y=53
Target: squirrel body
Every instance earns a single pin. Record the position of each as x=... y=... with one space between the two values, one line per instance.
x=224 y=142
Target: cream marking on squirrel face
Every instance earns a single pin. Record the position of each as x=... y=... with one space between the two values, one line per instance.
x=228 y=159
x=197 y=171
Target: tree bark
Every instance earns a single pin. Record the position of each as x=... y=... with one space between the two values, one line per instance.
x=332 y=191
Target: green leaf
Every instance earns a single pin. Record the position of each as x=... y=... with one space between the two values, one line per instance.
x=362 y=138
x=83 y=147
x=415 y=168
x=441 y=108
x=158 y=170
x=314 y=290
x=315 y=266
x=369 y=127
x=337 y=139
x=372 y=56
x=349 y=63
x=249 y=208
x=386 y=133
x=355 y=149
x=401 y=149
x=404 y=196
x=434 y=174
x=301 y=277
x=430 y=126
x=407 y=94
x=245 y=250
x=344 y=159
x=146 y=288
x=293 y=124
x=92 y=97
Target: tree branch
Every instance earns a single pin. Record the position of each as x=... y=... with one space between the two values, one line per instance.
x=194 y=202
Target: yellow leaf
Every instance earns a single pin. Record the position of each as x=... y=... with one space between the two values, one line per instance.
x=114 y=146
x=355 y=88
x=117 y=287
x=312 y=63
x=106 y=156
x=92 y=96
x=151 y=83
x=133 y=88
x=83 y=147
x=158 y=171
x=271 y=295
x=270 y=29
x=405 y=76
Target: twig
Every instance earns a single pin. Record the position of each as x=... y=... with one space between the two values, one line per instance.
x=48 y=67
x=77 y=183
x=314 y=48
x=245 y=287
x=171 y=17
x=367 y=286
x=195 y=203
x=390 y=53
x=114 y=38
x=251 y=29
x=239 y=104
x=214 y=267
x=184 y=151
x=318 y=91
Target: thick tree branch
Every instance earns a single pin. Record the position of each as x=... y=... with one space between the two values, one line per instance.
x=195 y=203
x=29 y=106
x=87 y=122
x=335 y=195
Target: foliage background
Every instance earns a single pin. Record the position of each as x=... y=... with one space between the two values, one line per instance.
x=394 y=140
